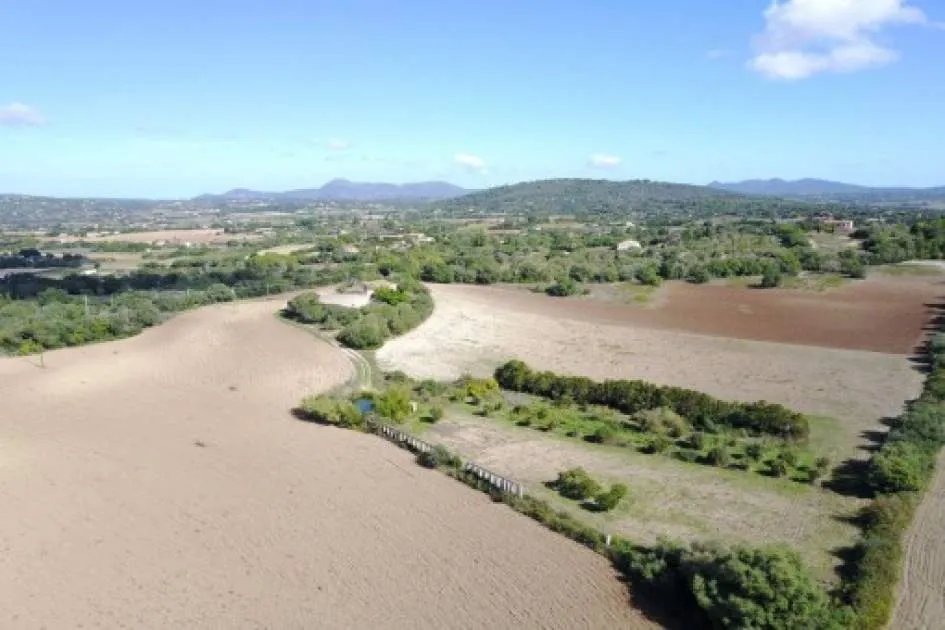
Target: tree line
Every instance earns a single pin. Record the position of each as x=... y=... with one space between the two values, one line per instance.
x=701 y=410
x=39 y=313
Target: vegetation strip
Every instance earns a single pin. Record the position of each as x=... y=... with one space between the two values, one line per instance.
x=723 y=587
x=899 y=473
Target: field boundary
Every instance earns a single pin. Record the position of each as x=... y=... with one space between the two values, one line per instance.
x=414 y=444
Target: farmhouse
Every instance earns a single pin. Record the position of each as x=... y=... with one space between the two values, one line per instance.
x=841 y=226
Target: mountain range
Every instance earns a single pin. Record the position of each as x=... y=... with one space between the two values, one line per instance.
x=345 y=190
x=823 y=189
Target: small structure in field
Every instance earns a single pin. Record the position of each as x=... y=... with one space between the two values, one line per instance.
x=629 y=245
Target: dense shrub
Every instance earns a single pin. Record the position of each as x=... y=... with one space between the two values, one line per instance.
x=577 y=484
x=738 y=587
x=564 y=288
x=367 y=333
x=879 y=559
x=393 y=404
x=756 y=588
x=609 y=499
x=900 y=466
x=630 y=397
x=327 y=410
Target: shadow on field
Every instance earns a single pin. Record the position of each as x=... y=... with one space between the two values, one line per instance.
x=667 y=611
x=849 y=478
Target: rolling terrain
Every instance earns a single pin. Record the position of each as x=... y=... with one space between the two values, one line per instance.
x=160 y=482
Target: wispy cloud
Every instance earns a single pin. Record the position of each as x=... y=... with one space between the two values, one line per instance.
x=807 y=37
x=337 y=144
x=470 y=162
x=604 y=160
x=21 y=115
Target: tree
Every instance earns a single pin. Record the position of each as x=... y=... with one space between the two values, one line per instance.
x=772 y=276
x=367 y=333
x=576 y=484
x=757 y=589
x=608 y=500
x=394 y=404
x=899 y=467
x=564 y=288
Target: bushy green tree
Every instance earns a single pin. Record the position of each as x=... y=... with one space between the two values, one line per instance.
x=757 y=589
x=609 y=499
x=576 y=484
x=393 y=404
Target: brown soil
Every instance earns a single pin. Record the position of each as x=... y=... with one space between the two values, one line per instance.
x=881 y=314
x=476 y=328
x=159 y=482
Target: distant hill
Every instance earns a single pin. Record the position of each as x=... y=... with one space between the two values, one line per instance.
x=825 y=190
x=571 y=196
x=345 y=190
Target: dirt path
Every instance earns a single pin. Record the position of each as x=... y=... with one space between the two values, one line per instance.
x=159 y=482
x=921 y=603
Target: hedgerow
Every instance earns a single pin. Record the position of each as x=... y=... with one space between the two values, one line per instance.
x=701 y=410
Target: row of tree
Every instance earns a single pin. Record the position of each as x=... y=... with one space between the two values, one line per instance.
x=898 y=473
x=701 y=410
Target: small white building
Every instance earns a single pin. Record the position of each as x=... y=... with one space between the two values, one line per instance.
x=629 y=245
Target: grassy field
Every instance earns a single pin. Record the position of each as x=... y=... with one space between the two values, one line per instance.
x=668 y=498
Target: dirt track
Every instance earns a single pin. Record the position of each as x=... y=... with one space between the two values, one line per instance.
x=159 y=482
x=921 y=602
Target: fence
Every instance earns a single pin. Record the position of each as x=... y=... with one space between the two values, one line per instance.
x=405 y=440
x=400 y=438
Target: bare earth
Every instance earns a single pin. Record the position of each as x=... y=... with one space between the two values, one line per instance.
x=159 y=482
x=476 y=328
x=171 y=237
x=921 y=604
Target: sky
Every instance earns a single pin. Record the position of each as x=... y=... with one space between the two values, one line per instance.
x=173 y=98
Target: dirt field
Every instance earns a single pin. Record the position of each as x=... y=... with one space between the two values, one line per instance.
x=476 y=328
x=171 y=237
x=921 y=602
x=159 y=482
x=285 y=249
x=882 y=313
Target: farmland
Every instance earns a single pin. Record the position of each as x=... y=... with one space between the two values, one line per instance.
x=170 y=463
x=676 y=325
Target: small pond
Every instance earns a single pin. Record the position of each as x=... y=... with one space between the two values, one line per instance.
x=364 y=405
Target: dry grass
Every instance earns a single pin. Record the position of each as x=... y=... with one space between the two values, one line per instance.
x=171 y=237
x=160 y=482
x=668 y=498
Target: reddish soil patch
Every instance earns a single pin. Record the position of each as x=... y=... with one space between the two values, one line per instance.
x=881 y=314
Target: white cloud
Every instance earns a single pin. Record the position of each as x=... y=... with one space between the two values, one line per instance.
x=470 y=162
x=21 y=115
x=336 y=144
x=807 y=37
x=604 y=160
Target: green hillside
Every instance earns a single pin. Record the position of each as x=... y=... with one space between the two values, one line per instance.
x=591 y=196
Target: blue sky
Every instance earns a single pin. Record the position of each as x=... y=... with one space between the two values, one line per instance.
x=177 y=97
